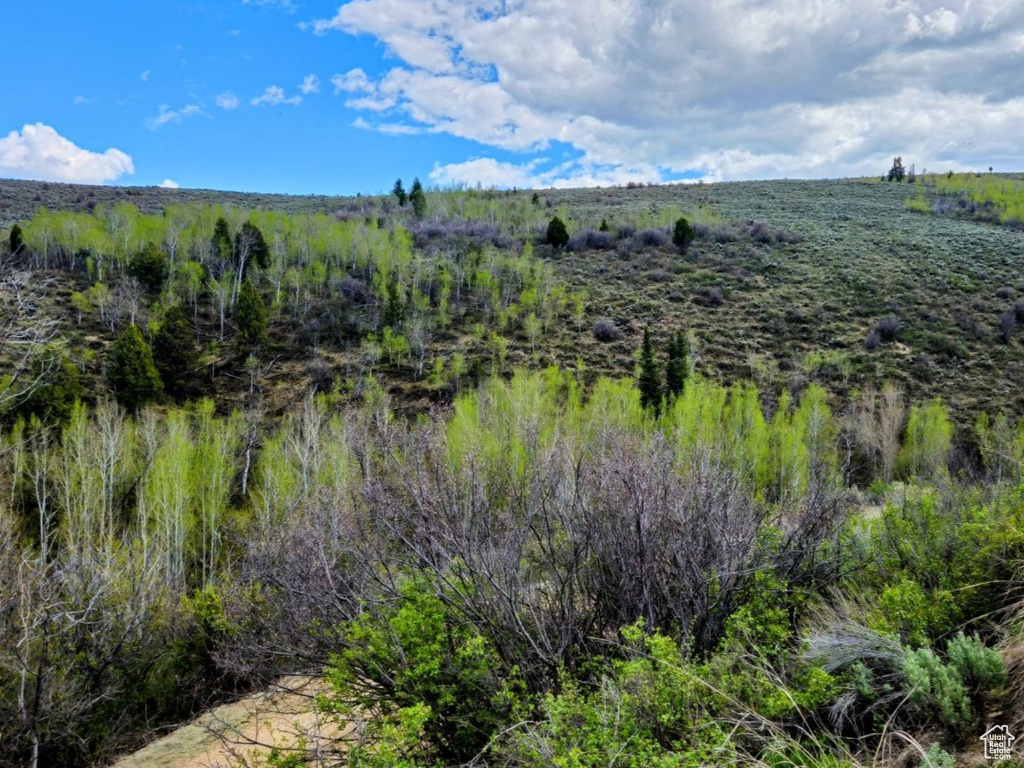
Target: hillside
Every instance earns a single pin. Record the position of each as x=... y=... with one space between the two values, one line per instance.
x=784 y=284
x=660 y=476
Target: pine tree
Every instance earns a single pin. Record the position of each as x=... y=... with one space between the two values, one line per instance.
x=557 y=235
x=399 y=191
x=220 y=243
x=683 y=234
x=16 y=240
x=174 y=350
x=677 y=366
x=149 y=267
x=133 y=375
x=250 y=316
x=250 y=246
x=418 y=199
x=649 y=380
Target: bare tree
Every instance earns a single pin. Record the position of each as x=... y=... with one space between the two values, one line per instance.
x=24 y=333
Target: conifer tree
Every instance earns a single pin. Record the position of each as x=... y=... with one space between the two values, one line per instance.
x=683 y=234
x=251 y=316
x=649 y=380
x=174 y=350
x=677 y=366
x=16 y=240
x=557 y=235
x=399 y=192
x=418 y=199
x=133 y=375
x=220 y=244
x=149 y=267
x=251 y=246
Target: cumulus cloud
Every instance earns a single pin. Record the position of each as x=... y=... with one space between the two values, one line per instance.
x=310 y=84
x=169 y=184
x=227 y=100
x=167 y=115
x=38 y=152
x=735 y=89
x=273 y=96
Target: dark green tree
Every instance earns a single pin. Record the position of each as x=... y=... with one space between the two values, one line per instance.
x=677 y=366
x=174 y=350
x=558 y=235
x=604 y=225
x=649 y=380
x=418 y=199
x=399 y=192
x=897 y=172
x=250 y=316
x=132 y=373
x=394 y=305
x=149 y=267
x=16 y=240
x=220 y=243
x=60 y=389
x=250 y=247
x=683 y=234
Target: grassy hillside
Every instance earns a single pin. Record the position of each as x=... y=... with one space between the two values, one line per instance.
x=785 y=284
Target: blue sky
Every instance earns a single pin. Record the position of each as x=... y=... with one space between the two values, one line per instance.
x=300 y=96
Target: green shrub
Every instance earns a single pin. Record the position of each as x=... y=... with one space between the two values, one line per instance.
x=682 y=234
x=416 y=662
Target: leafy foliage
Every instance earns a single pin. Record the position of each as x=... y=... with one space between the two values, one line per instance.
x=557 y=234
x=149 y=267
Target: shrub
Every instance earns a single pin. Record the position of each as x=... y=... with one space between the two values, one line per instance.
x=873 y=339
x=1007 y=323
x=889 y=328
x=605 y=330
x=417 y=653
x=557 y=235
x=1018 y=311
x=651 y=238
x=588 y=239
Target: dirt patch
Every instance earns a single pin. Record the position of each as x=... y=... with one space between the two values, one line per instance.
x=238 y=732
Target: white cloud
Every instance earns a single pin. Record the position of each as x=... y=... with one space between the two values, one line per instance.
x=273 y=96
x=167 y=115
x=310 y=84
x=39 y=152
x=227 y=100
x=353 y=81
x=80 y=100
x=731 y=89
x=144 y=76
x=169 y=184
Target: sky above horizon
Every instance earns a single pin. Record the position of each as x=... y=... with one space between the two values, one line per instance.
x=311 y=97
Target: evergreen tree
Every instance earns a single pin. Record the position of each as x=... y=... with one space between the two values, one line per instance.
x=53 y=400
x=604 y=225
x=558 y=235
x=897 y=173
x=418 y=199
x=250 y=316
x=649 y=380
x=399 y=192
x=133 y=375
x=677 y=366
x=394 y=306
x=149 y=267
x=16 y=240
x=250 y=246
x=683 y=234
x=220 y=244
x=174 y=350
